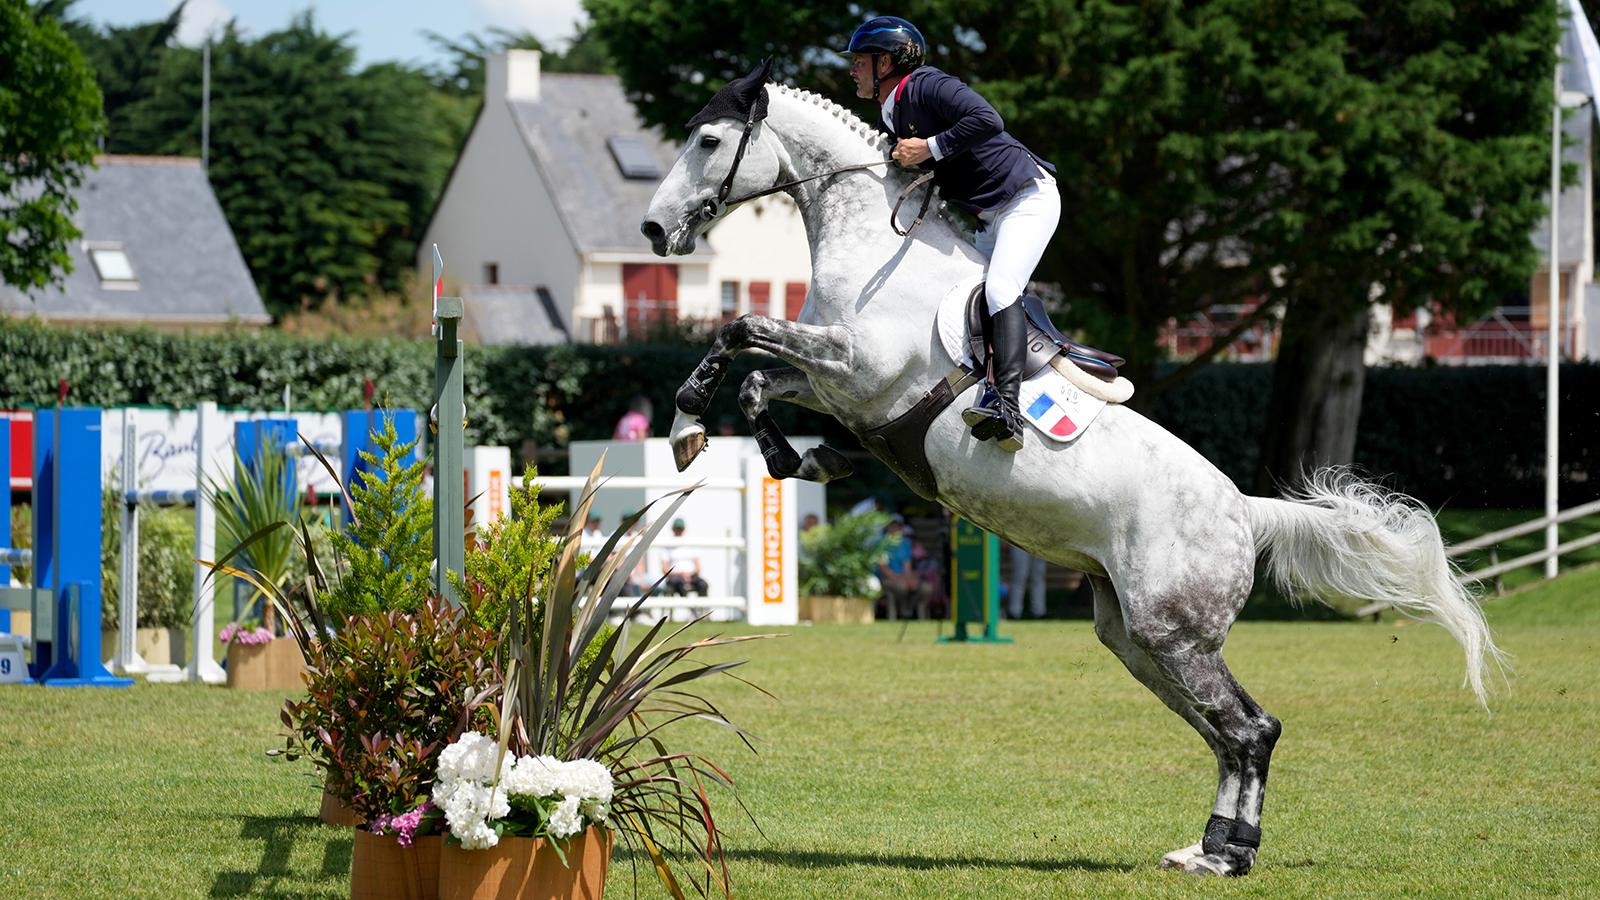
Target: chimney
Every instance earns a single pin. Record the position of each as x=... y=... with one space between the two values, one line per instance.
x=513 y=75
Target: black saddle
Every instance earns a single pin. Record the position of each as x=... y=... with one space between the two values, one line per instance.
x=1045 y=341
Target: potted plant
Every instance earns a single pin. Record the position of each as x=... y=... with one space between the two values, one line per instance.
x=251 y=508
x=580 y=756
x=836 y=567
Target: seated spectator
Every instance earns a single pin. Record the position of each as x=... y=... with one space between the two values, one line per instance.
x=903 y=587
x=681 y=565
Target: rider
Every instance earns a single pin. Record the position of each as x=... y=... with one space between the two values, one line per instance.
x=941 y=123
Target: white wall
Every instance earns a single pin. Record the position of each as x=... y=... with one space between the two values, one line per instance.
x=764 y=240
x=497 y=209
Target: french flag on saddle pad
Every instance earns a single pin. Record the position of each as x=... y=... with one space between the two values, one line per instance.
x=1052 y=418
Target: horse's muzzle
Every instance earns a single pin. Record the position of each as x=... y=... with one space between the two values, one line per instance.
x=657 y=236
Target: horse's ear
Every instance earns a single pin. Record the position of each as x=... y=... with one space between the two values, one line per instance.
x=762 y=73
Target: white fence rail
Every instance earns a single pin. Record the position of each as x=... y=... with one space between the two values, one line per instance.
x=1489 y=541
x=768 y=545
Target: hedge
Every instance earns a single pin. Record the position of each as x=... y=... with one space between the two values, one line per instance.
x=1468 y=437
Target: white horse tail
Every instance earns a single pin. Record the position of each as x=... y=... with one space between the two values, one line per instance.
x=1341 y=536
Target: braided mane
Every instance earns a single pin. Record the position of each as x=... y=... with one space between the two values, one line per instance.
x=874 y=138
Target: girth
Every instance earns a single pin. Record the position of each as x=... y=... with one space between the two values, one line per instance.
x=901 y=444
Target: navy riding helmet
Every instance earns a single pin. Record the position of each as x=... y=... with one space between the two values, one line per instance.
x=891 y=35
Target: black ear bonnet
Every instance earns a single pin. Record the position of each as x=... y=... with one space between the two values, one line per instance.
x=744 y=99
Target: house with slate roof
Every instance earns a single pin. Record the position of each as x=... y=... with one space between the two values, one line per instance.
x=538 y=222
x=156 y=250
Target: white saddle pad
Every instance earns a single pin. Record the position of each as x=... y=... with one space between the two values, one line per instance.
x=1060 y=400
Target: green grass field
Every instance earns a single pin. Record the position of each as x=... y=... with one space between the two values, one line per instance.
x=906 y=768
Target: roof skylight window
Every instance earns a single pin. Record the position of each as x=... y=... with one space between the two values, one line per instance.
x=111 y=263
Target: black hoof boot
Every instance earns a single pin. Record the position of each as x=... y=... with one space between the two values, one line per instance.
x=695 y=394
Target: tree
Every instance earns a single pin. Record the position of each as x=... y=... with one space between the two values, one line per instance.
x=1310 y=156
x=49 y=123
x=127 y=62
x=326 y=174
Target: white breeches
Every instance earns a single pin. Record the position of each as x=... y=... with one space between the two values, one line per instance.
x=1015 y=238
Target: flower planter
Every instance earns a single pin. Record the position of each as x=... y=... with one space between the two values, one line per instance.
x=836 y=610
x=156 y=646
x=520 y=867
x=381 y=869
x=273 y=666
x=334 y=812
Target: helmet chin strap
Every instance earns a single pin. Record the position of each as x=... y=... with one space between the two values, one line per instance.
x=877 y=80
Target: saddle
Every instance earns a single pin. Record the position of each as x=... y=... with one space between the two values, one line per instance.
x=899 y=443
x=1045 y=341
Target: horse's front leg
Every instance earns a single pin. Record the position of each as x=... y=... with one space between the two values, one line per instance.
x=813 y=349
x=821 y=464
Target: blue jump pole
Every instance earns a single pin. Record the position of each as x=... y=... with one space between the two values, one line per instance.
x=66 y=539
x=5 y=515
x=358 y=426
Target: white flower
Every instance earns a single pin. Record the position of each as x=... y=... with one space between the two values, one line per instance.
x=565 y=820
x=587 y=779
x=535 y=776
x=596 y=812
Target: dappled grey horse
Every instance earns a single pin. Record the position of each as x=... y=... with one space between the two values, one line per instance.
x=1168 y=542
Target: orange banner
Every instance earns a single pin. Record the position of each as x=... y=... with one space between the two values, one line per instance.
x=771 y=540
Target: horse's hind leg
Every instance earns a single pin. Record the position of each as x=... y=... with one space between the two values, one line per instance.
x=821 y=464
x=1113 y=632
x=1189 y=658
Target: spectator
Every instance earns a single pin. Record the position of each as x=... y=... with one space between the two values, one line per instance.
x=591 y=529
x=809 y=522
x=903 y=587
x=635 y=423
x=681 y=565
x=1027 y=573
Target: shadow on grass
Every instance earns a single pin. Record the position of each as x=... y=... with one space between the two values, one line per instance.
x=278 y=837
x=812 y=859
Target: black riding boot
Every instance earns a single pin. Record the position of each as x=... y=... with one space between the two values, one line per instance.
x=1003 y=419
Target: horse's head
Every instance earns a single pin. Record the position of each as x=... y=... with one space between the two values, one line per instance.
x=730 y=154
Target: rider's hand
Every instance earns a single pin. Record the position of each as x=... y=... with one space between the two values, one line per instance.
x=910 y=151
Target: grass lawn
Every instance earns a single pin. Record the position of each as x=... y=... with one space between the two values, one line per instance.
x=906 y=768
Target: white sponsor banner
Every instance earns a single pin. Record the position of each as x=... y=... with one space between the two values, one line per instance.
x=166 y=445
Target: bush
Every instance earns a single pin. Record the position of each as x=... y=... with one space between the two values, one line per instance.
x=166 y=565
x=838 y=558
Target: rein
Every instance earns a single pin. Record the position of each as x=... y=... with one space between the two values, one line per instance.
x=712 y=208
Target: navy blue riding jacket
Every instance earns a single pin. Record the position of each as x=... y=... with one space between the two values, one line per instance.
x=983 y=165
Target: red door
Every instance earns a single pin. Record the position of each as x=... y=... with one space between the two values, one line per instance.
x=649 y=295
x=760 y=298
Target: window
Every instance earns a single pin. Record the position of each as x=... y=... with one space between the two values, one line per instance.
x=634 y=157
x=491 y=273
x=730 y=300
x=794 y=298
x=112 y=265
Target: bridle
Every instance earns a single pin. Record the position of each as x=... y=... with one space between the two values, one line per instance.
x=712 y=208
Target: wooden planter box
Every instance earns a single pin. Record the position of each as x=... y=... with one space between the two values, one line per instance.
x=156 y=646
x=527 y=868
x=334 y=812
x=273 y=666
x=836 y=610
x=381 y=869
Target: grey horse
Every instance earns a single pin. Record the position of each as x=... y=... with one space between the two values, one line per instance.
x=1168 y=542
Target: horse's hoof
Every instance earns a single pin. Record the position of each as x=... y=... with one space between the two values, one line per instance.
x=1178 y=859
x=688 y=440
x=823 y=464
x=1208 y=864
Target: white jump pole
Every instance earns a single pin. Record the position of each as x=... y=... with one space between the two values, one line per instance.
x=210 y=430
x=127 y=660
